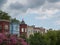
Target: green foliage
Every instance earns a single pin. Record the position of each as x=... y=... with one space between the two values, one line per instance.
x=4 y=15
x=58 y=38
x=50 y=38
x=15 y=20
x=35 y=39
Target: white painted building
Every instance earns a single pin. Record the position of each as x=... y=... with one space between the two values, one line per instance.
x=32 y=30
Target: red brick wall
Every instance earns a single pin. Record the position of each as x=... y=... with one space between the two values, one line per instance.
x=3 y=23
x=23 y=26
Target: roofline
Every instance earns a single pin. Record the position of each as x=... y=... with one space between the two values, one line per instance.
x=5 y=20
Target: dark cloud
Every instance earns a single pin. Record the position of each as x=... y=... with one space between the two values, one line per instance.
x=52 y=6
x=24 y=8
x=2 y=2
x=53 y=1
x=17 y=6
x=35 y=3
x=30 y=4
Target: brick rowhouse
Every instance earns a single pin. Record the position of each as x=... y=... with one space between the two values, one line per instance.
x=4 y=26
x=23 y=28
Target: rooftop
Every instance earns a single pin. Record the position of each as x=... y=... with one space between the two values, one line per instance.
x=4 y=20
x=22 y=22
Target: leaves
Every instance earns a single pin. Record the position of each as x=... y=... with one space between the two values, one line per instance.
x=50 y=38
x=4 y=15
x=15 y=20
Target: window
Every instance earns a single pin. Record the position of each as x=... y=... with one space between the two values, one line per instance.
x=22 y=29
x=29 y=31
x=42 y=32
x=16 y=27
x=6 y=27
x=25 y=30
x=0 y=27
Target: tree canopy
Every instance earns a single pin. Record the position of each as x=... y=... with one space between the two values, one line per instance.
x=52 y=37
x=4 y=15
x=15 y=20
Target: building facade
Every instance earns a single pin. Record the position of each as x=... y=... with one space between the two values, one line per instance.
x=14 y=28
x=30 y=31
x=39 y=30
x=23 y=28
x=4 y=26
x=20 y=29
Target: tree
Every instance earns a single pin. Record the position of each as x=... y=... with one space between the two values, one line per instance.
x=58 y=38
x=36 y=39
x=52 y=35
x=45 y=39
x=15 y=20
x=4 y=15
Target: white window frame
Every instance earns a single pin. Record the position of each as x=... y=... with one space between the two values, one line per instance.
x=22 y=29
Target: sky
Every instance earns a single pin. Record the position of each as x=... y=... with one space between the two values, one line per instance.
x=41 y=13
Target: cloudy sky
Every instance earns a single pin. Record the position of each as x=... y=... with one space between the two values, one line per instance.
x=42 y=13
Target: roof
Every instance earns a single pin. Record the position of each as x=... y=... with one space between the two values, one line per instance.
x=22 y=22
x=5 y=20
x=39 y=28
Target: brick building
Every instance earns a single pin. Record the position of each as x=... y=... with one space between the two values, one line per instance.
x=28 y=30
x=23 y=28
x=4 y=26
